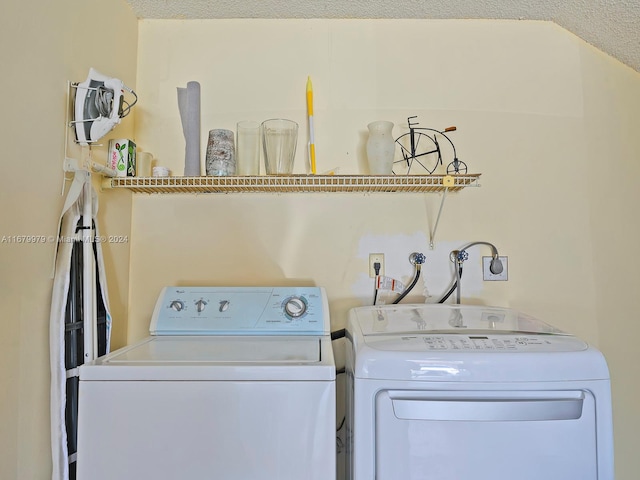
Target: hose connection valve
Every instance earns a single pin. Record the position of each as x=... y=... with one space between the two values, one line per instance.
x=417 y=258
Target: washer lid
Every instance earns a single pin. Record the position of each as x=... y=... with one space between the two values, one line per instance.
x=217 y=358
x=456 y=343
x=438 y=318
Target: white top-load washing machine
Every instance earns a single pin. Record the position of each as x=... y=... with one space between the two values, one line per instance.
x=233 y=384
x=451 y=392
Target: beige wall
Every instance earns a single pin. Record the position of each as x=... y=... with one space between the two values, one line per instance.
x=549 y=122
x=520 y=127
x=42 y=46
x=612 y=103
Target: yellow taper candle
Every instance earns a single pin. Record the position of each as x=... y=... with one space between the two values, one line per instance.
x=312 y=142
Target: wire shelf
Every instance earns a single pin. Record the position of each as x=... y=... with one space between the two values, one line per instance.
x=297 y=184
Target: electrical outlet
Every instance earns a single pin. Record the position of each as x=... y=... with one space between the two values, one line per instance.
x=486 y=272
x=376 y=258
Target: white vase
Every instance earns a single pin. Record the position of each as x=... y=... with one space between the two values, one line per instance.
x=381 y=148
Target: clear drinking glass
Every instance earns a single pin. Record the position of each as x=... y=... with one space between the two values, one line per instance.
x=279 y=140
x=248 y=148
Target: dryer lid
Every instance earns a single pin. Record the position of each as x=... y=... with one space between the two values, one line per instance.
x=438 y=318
x=460 y=343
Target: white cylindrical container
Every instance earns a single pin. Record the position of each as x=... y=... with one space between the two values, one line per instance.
x=221 y=153
x=161 y=172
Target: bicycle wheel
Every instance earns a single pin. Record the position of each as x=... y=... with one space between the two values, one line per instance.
x=456 y=167
x=419 y=154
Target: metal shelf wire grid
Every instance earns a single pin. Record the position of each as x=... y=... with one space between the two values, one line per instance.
x=297 y=184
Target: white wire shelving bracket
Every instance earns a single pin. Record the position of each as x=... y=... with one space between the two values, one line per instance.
x=432 y=233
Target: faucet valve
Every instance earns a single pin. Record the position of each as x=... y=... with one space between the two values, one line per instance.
x=417 y=258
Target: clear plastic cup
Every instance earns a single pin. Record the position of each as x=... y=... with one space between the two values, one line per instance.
x=279 y=140
x=144 y=164
x=248 y=148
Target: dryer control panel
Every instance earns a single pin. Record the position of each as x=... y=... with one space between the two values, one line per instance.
x=503 y=343
x=241 y=311
x=480 y=342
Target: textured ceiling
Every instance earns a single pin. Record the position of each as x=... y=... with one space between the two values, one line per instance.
x=612 y=26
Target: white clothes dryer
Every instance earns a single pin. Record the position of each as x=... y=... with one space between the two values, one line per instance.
x=233 y=383
x=452 y=392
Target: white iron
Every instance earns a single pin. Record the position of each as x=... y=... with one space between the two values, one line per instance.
x=99 y=106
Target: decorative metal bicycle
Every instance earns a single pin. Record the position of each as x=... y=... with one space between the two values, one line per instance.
x=421 y=152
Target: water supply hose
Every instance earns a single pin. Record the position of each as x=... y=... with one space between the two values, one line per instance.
x=417 y=259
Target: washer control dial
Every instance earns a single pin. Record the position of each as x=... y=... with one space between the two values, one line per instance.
x=177 y=305
x=200 y=305
x=295 y=307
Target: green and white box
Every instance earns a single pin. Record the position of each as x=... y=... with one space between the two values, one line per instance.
x=122 y=157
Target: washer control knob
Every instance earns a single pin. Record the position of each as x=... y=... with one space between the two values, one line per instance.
x=295 y=307
x=224 y=305
x=200 y=305
x=177 y=305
